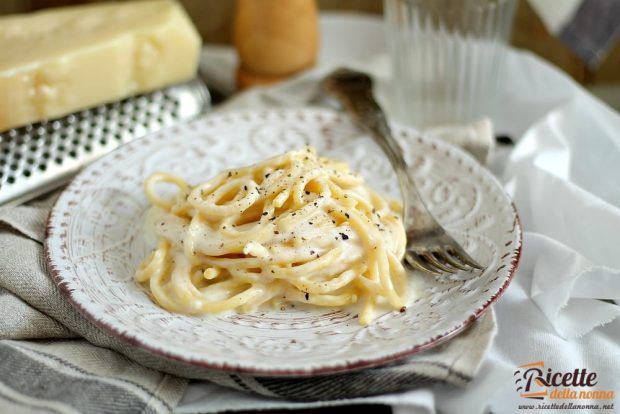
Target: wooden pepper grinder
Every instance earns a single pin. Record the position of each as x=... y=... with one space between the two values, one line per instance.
x=274 y=39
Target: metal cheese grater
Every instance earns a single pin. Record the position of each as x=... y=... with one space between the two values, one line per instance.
x=37 y=158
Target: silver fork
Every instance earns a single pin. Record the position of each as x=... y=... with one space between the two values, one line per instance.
x=429 y=247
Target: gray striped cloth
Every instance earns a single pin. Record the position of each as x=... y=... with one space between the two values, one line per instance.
x=592 y=30
x=588 y=27
x=52 y=360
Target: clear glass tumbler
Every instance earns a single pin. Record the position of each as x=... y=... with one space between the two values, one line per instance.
x=445 y=57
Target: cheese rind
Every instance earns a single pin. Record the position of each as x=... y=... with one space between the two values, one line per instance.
x=62 y=60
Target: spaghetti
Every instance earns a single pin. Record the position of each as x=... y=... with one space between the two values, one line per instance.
x=294 y=228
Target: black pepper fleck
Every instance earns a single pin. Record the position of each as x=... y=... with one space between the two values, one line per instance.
x=344 y=236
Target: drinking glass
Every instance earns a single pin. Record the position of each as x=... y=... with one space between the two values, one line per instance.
x=445 y=57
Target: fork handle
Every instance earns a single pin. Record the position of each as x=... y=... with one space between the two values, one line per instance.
x=362 y=106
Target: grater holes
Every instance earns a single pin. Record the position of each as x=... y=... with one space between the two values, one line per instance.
x=66 y=141
x=70 y=119
x=98 y=122
x=111 y=116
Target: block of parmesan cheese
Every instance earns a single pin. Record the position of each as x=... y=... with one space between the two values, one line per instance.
x=58 y=61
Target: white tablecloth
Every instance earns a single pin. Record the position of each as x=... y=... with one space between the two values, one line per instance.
x=564 y=177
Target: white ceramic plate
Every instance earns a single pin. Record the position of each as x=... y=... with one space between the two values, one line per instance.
x=95 y=243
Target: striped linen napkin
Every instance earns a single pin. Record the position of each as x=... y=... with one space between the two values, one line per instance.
x=588 y=27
